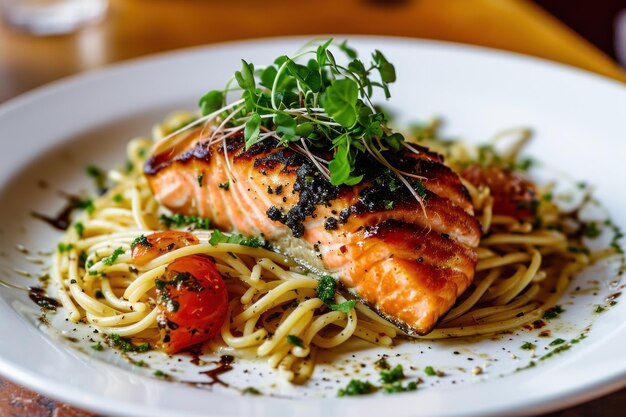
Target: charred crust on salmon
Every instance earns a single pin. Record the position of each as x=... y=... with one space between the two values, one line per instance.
x=313 y=190
x=160 y=161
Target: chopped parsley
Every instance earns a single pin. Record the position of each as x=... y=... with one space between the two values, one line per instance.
x=430 y=371
x=126 y=345
x=356 y=387
x=238 y=239
x=391 y=382
x=80 y=229
x=395 y=375
x=118 y=198
x=160 y=374
x=178 y=220
x=531 y=364
x=141 y=240
x=82 y=258
x=181 y=280
x=528 y=346
x=591 y=230
x=86 y=205
x=557 y=342
x=326 y=292
x=326 y=289
x=251 y=391
x=110 y=260
x=295 y=340
x=98 y=175
x=398 y=387
x=200 y=179
x=553 y=312
x=562 y=346
x=382 y=363
x=617 y=235
x=98 y=347
x=64 y=247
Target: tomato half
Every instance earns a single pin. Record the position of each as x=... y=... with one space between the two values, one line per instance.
x=159 y=243
x=192 y=301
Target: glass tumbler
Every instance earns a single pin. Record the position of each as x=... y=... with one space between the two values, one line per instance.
x=51 y=17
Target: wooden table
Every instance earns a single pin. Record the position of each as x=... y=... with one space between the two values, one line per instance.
x=139 y=27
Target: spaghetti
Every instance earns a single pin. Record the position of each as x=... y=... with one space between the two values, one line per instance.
x=523 y=269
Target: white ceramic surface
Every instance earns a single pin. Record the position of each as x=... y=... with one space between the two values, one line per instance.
x=51 y=134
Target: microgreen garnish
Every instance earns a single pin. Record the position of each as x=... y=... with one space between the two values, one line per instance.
x=315 y=104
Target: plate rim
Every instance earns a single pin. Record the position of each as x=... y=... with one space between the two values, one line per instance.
x=77 y=397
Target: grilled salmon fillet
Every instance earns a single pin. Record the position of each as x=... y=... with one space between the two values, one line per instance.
x=408 y=261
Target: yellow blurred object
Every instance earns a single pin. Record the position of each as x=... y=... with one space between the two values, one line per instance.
x=139 y=27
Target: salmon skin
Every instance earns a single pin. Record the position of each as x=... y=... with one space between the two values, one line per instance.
x=406 y=260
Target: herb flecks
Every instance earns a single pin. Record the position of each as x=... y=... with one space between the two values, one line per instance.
x=126 y=345
x=238 y=239
x=110 y=260
x=356 y=387
x=142 y=241
x=553 y=312
x=295 y=340
x=179 y=220
x=326 y=290
x=392 y=382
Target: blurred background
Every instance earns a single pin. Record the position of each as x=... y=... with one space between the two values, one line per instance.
x=601 y=22
x=45 y=40
x=583 y=33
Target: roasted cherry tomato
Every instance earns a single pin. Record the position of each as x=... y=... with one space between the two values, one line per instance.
x=513 y=195
x=154 y=245
x=192 y=301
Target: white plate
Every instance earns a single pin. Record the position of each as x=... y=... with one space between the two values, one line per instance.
x=53 y=133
